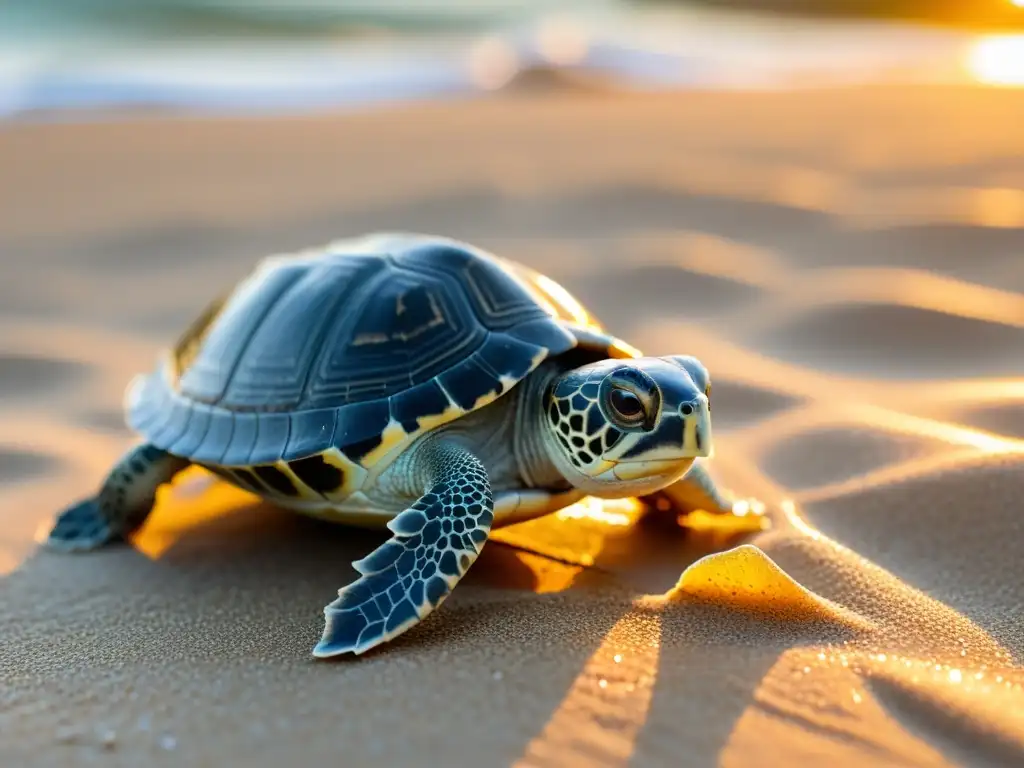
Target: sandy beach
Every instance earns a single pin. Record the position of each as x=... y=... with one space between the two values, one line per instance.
x=849 y=264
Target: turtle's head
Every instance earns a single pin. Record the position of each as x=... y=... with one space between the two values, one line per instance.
x=620 y=428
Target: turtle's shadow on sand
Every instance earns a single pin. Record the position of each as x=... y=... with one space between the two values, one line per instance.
x=249 y=585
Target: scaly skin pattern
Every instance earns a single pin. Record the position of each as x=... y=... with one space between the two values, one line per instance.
x=435 y=542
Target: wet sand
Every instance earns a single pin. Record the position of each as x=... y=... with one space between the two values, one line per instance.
x=849 y=266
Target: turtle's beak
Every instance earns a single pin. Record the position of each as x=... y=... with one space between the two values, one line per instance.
x=696 y=428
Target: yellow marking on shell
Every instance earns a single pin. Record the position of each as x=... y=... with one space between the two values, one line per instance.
x=539 y=358
x=395 y=437
x=485 y=399
x=428 y=422
x=392 y=436
x=352 y=474
x=507 y=382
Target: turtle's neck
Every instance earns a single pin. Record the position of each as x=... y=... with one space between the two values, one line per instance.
x=529 y=431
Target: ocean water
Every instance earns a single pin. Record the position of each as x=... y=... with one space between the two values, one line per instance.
x=63 y=59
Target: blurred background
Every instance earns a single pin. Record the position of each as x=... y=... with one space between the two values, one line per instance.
x=230 y=55
x=823 y=200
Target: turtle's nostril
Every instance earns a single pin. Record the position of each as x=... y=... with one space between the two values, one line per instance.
x=686 y=410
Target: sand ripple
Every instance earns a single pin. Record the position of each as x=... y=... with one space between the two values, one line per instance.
x=856 y=291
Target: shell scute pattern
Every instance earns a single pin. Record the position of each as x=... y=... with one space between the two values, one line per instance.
x=208 y=377
x=369 y=356
x=352 y=352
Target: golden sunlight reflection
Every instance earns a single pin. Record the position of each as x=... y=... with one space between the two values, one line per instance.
x=580 y=532
x=793 y=517
x=998 y=207
x=745 y=578
x=795 y=693
x=576 y=534
x=601 y=716
x=949 y=433
x=795 y=690
x=998 y=60
x=179 y=509
x=743 y=521
x=617 y=512
x=567 y=301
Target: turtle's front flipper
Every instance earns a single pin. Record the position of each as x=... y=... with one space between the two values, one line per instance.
x=696 y=490
x=121 y=506
x=435 y=542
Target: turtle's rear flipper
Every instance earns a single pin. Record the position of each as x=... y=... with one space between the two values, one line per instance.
x=121 y=506
x=436 y=540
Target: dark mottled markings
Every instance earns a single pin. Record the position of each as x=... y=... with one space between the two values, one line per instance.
x=595 y=446
x=579 y=402
x=578 y=441
x=585 y=457
x=576 y=422
x=611 y=437
x=247 y=480
x=316 y=473
x=563 y=407
x=553 y=413
x=595 y=419
x=276 y=479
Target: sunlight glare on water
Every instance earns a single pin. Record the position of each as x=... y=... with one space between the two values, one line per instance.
x=998 y=60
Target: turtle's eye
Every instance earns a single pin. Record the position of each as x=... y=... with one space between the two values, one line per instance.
x=630 y=399
x=627 y=406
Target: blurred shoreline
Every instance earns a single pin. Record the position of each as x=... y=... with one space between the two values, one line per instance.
x=975 y=15
x=218 y=58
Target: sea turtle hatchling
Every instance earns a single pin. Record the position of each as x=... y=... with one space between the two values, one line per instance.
x=410 y=381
